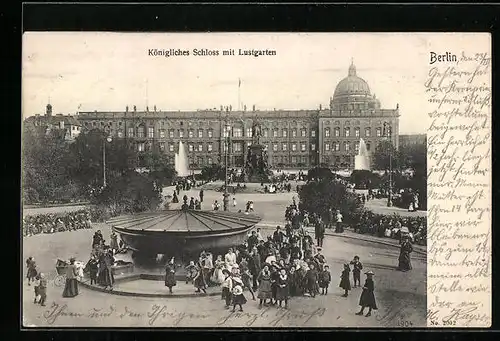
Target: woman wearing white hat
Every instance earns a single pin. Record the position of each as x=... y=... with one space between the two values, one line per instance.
x=367 y=298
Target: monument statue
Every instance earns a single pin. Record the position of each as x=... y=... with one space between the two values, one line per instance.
x=256 y=132
x=256 y=165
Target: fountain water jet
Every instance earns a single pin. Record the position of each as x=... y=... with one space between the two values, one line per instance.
x=362 y=160
x=181 y=161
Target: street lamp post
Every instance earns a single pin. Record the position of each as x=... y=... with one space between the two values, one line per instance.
x=225 y=200
x=388 y=129
x=108 y=139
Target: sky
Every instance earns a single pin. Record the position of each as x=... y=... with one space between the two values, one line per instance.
x=87 y=71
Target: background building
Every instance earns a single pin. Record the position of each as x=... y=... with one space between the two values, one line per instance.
x=68 y=126
x=410 y=140
x=294 y=139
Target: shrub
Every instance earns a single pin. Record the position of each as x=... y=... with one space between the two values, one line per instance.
x=130 y=194
x=319 y=196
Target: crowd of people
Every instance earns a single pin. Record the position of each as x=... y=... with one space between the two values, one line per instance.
x=392 y=226
x=51 y=223
x=275 y=269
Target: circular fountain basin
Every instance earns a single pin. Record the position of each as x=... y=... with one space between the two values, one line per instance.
x=183 y=232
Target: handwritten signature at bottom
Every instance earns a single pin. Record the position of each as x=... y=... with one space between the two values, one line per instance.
x=159 y=314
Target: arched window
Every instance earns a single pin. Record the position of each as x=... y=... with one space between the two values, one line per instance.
x=337 y=132
x=368 y=132
x=327 y=132
x=356 y=131
x=347 y=132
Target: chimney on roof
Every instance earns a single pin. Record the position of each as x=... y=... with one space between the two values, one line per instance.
x=135 y=108
x=253 y=107
x=126 y=108
x=245 y=107
x=230 y=108
x=147 y=108
x=154 y=108
x=320 y=107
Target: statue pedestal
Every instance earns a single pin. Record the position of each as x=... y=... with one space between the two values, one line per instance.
x=256 y=169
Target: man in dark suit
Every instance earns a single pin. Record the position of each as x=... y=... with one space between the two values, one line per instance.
x=319 y=232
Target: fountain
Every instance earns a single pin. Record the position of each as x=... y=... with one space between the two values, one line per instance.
x=181 y=161
x=362 y=160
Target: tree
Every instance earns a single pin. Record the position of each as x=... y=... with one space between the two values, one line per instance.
x=129 y=194
x=160 y=170
x=319 y=196
x=44 y=160
x=320 y=173
x=86 y=158
x=384 y=154
x=214 y=171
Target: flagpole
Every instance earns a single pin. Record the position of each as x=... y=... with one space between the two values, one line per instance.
x=239 y=86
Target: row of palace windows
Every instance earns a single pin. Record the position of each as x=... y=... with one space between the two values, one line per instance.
x=347 y=132
x=237 y=147
x=238 y=132
x=141 y=132
x=293 y=159
x=201 y=161
x=335 y=146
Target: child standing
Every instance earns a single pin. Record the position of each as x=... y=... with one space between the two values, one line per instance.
x=42 y=289
x=367 y=298
x=345 y=283
x=324 y=279
x=227 y=287
x=238 y=297
x=356 y=271
x=191 y=272
x=36 y=283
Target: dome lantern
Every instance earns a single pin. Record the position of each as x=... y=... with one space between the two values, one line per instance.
x=352 y=70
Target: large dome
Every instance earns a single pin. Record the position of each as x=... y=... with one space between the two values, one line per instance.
x=352 y=85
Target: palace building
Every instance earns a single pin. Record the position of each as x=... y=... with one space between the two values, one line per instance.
x=294 y=138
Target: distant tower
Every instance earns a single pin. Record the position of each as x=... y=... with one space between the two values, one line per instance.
x=48 y=110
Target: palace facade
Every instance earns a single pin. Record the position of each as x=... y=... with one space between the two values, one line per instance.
x=294 y=139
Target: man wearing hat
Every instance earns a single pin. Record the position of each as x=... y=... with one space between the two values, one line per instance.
x=319 y=232
x=367 y=298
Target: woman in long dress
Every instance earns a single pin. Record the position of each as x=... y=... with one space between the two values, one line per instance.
x=218 y=276
x=170 y=280
x=199 y=281
x=265 y=291
x=345 y=282
x=367 y=299
x=71 y=287
x=404 y=255
x=282 y=292
x=32 y=273
x=113 y=244
x=106 y=277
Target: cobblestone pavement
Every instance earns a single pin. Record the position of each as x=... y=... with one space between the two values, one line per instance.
x=401 y=297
